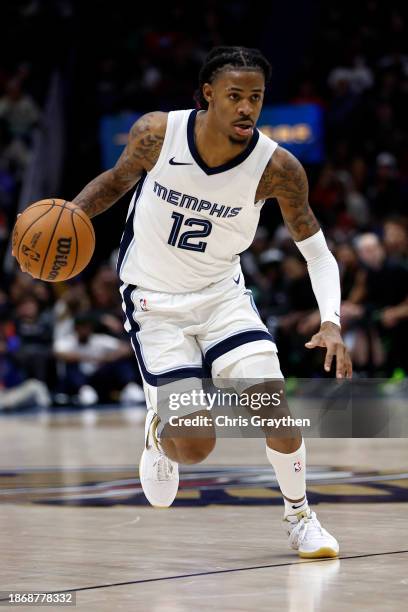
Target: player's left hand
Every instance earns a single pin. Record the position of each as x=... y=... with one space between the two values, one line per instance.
x=329 y=337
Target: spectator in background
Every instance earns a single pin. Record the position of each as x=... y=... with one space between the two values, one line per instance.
x=72 y=302
x=20 y=285
x=44 y=294
x=353 y=285
x=34 y=329
x=326 y=196
x=396 y=240
x=385 y=194
x=15 y=390
x=10 y=373
x=95 y=366
x=357 y=75
x=300 y=302
x=8 y=162
x=356 y=205
x=14 y=157
x=105 y=303
x=386 y=305
x=19 y=110
x=352 y=277
x=272 y=302
x=250 y=262
x=343 y=104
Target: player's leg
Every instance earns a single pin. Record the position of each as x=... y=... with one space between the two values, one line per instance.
x=183 y=430
x=238 y=347
x=189 y=446
x=158 y=325
x=286 y=452
x=166 y=447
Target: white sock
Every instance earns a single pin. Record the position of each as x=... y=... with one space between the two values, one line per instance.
x=290 y=471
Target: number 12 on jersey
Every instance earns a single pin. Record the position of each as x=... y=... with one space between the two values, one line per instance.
x=185 y=240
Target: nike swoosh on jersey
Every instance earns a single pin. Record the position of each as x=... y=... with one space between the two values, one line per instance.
x=174 y=163
x=237 y=280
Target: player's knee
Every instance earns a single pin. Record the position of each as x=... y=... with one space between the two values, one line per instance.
x=194 y=450
x=246 y=371
x=285 y=445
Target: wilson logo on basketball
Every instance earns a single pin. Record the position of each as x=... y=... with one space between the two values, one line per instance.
x=63 y=250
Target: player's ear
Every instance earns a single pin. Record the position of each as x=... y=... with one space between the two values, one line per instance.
x=208 y=92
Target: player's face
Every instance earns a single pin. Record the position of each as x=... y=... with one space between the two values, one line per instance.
x=236 y=98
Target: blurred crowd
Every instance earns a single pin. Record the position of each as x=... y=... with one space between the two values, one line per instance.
x=67 y=340
x=19 y=115
x=374 y=310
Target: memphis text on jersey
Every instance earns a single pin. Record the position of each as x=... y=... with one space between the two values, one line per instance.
x=184 y=200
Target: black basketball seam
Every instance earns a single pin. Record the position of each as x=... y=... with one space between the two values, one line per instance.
x=87 y=223
x=52 y=236
x=31 y=224
x=42 y=203
x=77 y=245
x=84 y=216
x=90 y=229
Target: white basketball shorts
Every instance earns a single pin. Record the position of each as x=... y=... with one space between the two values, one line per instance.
x=177 y=336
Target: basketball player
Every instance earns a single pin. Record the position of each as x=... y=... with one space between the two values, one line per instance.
x=202 y=177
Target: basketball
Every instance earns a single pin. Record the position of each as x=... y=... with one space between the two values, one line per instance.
x=53 y=240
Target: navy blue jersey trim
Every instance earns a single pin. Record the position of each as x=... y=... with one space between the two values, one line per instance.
x=223 y=167
x=163 y=378
x=128 y=231
x=233 y=342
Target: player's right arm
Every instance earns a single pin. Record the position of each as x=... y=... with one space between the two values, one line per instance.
x=142 y=151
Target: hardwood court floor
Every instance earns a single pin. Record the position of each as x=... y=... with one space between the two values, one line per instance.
x=221 y=548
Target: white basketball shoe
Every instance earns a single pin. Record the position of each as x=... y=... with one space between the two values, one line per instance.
x=159 y=475
x=308 y=537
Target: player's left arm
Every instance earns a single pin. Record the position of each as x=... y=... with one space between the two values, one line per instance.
x=285 y=179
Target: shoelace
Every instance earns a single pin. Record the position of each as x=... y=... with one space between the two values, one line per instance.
x=164 y=468
x=309 y=525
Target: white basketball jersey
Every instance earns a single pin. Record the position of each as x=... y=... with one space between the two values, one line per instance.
x=187 y=222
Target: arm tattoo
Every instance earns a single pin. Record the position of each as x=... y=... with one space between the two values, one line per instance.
x=285 y=179
x=141 y=153
x=148 y=140
x=99 y=195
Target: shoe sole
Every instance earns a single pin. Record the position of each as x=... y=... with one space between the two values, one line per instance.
x=321 y=553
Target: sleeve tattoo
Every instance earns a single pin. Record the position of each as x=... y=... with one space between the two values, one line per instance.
x=285 y=179
x=140 y=154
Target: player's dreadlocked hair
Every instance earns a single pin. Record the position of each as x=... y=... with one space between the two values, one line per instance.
x=229 y=57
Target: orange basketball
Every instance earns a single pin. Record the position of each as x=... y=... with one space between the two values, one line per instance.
x=53 y=240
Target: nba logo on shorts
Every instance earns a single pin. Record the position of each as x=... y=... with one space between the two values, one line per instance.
x=143 y=304
x=298 y=466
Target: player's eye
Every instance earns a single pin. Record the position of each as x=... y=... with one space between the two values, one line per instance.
x=256 y=97
x=233 y=96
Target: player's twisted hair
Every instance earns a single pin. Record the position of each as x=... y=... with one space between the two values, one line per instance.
x=221 y=58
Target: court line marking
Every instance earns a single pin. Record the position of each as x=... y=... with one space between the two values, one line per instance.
x=214 y=572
